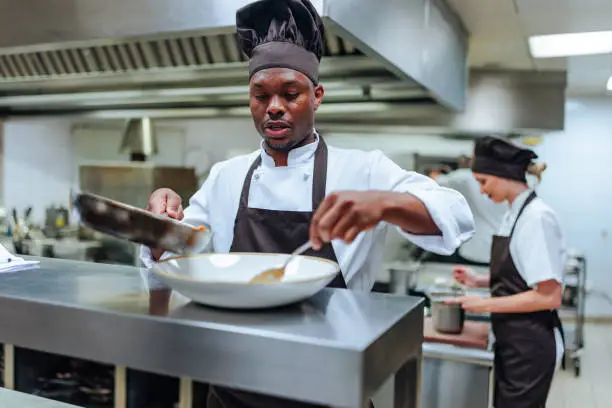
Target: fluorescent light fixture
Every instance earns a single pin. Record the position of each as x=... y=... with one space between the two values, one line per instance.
x=566 y=45
x=609 y=84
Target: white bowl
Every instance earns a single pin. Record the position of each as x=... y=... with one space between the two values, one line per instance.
x=222 y=280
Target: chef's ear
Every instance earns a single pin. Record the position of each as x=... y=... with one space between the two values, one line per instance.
x=319 y=92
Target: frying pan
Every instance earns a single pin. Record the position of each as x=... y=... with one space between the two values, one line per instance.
x=136 y=225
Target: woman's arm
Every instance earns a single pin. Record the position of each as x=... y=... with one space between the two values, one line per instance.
x=546 y=296
x=469 y=278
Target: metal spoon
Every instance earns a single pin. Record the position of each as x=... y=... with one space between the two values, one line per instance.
x=276 y=274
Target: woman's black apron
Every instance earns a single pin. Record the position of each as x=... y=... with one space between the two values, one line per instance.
x=261 y=230
x=525 y=347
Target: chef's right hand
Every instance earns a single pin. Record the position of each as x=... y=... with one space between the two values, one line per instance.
x=164 y=201
x=465 y=276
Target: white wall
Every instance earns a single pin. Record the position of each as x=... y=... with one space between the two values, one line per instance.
x=577 y=185
x=37 y=165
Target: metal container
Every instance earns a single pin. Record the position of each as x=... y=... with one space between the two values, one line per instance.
x=403 y=277
x=446 y=318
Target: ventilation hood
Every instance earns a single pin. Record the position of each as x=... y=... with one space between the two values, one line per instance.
x=139 y=139
x=84 y=55
x=387 y=63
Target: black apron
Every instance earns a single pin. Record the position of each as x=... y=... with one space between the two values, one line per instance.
x=525 y=347
x=261 y=230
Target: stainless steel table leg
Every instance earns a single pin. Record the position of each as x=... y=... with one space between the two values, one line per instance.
x=408 y=384
x=186 y=393
x=491 y=386
x=120 y=387
x=9 y=366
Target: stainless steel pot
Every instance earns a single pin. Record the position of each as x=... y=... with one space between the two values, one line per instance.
x=403 y=277
x=446 y=318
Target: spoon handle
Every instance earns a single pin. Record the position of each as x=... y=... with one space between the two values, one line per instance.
x=303 y=248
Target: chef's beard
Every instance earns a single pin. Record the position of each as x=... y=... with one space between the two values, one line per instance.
x=292 y=144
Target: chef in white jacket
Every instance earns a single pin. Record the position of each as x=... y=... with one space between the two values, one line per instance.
x=295 y=187
x=488 y=216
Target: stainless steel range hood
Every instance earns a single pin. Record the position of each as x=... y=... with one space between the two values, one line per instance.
x=387 y=63
x=183 y=53
x=139 y=139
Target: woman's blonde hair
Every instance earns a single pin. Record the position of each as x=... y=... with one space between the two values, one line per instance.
x=536 y=169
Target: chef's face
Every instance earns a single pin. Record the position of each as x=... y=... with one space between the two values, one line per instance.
x=283 y=103
x=491 y=186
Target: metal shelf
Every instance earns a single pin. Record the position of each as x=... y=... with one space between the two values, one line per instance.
x=573 y=315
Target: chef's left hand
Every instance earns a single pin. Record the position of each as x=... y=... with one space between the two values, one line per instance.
x=343 y=215
x=472 y=303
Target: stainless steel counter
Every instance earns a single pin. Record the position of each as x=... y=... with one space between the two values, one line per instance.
x=10 y=399
x=336 y=349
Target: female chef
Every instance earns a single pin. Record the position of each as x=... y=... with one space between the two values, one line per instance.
x=527 y=260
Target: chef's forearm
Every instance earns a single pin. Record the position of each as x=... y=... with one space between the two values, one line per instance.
x=526 y=302
x=409 y=213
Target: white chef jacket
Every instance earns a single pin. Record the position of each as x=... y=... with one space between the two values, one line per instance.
x=537 y=246
x=488 y=215
x=289 y=188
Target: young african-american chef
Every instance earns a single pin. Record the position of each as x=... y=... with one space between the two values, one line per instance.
x=526 y=271
x=296 y=188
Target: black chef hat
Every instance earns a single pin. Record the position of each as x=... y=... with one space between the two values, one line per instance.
x=281 y=34
x=501 y=158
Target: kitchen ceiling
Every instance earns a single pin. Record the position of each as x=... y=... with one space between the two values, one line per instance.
x=499 y=30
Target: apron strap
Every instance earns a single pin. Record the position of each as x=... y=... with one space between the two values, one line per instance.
x=246 y=186
x=531 y=197
x=319 y=178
